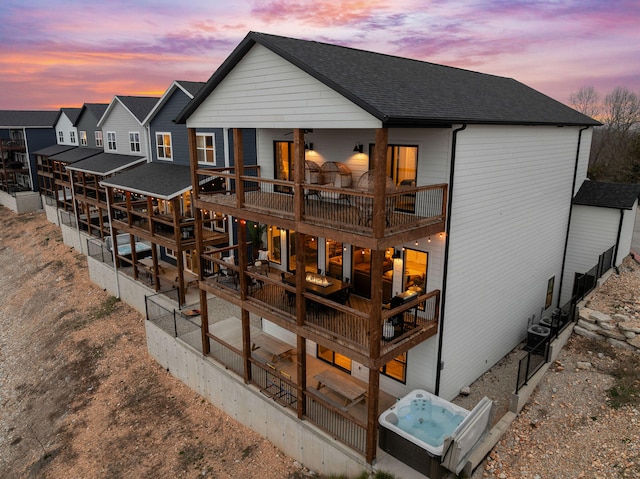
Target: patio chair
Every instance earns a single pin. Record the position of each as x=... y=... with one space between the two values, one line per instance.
x=227 y=275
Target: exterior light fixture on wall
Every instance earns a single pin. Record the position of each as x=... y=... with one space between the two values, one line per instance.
x=308 y=146
x=358 y=148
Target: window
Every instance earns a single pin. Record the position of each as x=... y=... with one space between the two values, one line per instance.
x=205 y=149
x=111 y=140
x=163 y=142
x=283 y=168
x=402 y=163
x=274 y=244
x=134 y=141
x=98 y=135
x=83 y=138
x=396 y=368
x=549 y=299
x=72 y=137
x=336 y=359
x=61 y=136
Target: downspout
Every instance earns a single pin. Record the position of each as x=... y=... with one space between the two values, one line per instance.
x=615 y=251
x=75 y=212
x=573 y=193
x=446 y=258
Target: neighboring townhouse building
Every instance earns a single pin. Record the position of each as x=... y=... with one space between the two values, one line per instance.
x=21 y=134
x=89 y=135
x=66 y=130
x=602 y=222
x=411 y=251
x=123 y=131
x=152 y=203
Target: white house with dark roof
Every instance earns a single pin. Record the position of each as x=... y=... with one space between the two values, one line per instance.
x=123 y=131
x=438 y=199
x=66 y=130
x=602 y=222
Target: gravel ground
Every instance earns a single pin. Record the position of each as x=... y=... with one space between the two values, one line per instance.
x=80 y=397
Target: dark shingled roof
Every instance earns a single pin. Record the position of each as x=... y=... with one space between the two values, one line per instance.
x=32 y=119
x=405 y=92
x=140 y=106
x=104 y=164
x=75 y=154
x=52 y=150
x=193 y=87
x=72 y=114
x=161 y=180
x=607 y=195
x=97 y=109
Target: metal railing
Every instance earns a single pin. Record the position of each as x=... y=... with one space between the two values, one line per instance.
x=340 y=425
x=586 y=282
x=170 y=320
x=97 y=250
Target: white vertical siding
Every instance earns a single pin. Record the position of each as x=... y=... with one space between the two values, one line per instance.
x=65 y=126
x=593 y=231
x=511 y=199
x=122 y=122
x=626 y=235
x=266 y=91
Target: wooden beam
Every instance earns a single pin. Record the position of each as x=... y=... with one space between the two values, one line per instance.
x=372 y=414
x=238 y=157
x=380 y=182
x=298 y=172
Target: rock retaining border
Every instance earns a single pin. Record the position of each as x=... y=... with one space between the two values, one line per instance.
x=618 y=330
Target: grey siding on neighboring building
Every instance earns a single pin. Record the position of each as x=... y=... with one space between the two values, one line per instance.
x=89 y=123
x=163 y=122
x=36 y=139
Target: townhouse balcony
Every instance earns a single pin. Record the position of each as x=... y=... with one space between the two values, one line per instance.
x=15 y=144
x=417 y=211
x=343 y=322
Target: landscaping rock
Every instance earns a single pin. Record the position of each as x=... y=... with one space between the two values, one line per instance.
x=587 y=333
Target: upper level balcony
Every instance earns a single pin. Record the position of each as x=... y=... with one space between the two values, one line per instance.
x=326 y=210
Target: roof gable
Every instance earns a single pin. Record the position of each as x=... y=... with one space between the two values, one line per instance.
x=187 y=88
x=405 y=92
x=137 y=106
x=71 y=113
x=95 y=109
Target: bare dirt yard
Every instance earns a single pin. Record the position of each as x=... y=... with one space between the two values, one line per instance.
x=81 y=398
x=79 y=395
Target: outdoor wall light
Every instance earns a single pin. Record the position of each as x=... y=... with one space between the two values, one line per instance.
x=358 y=148
x=308 y=146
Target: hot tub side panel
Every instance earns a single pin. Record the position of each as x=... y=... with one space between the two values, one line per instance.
x=411 y=454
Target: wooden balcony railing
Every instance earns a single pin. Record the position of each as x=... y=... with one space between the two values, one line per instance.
x=348 y=325
x=349 y=209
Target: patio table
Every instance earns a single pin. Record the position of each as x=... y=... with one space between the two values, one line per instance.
x=342 y=384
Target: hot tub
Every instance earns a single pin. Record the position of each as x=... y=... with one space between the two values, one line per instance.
x=414 y=429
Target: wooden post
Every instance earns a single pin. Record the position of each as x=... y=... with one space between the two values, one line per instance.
x=380 y=183
x=238 y=158
x=301 y=311
x=195 y=192
x=177 y=237
x=372 y=414
x=298 y=178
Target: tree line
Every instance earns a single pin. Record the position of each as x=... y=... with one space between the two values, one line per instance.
x=615 y=149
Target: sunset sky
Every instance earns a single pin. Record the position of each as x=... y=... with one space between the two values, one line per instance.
x=71 y=52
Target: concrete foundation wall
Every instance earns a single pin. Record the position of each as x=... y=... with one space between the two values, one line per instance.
x=297 y=439
x=51 y=213
x=22 y=202
x=72 y=238
x=127 y=289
